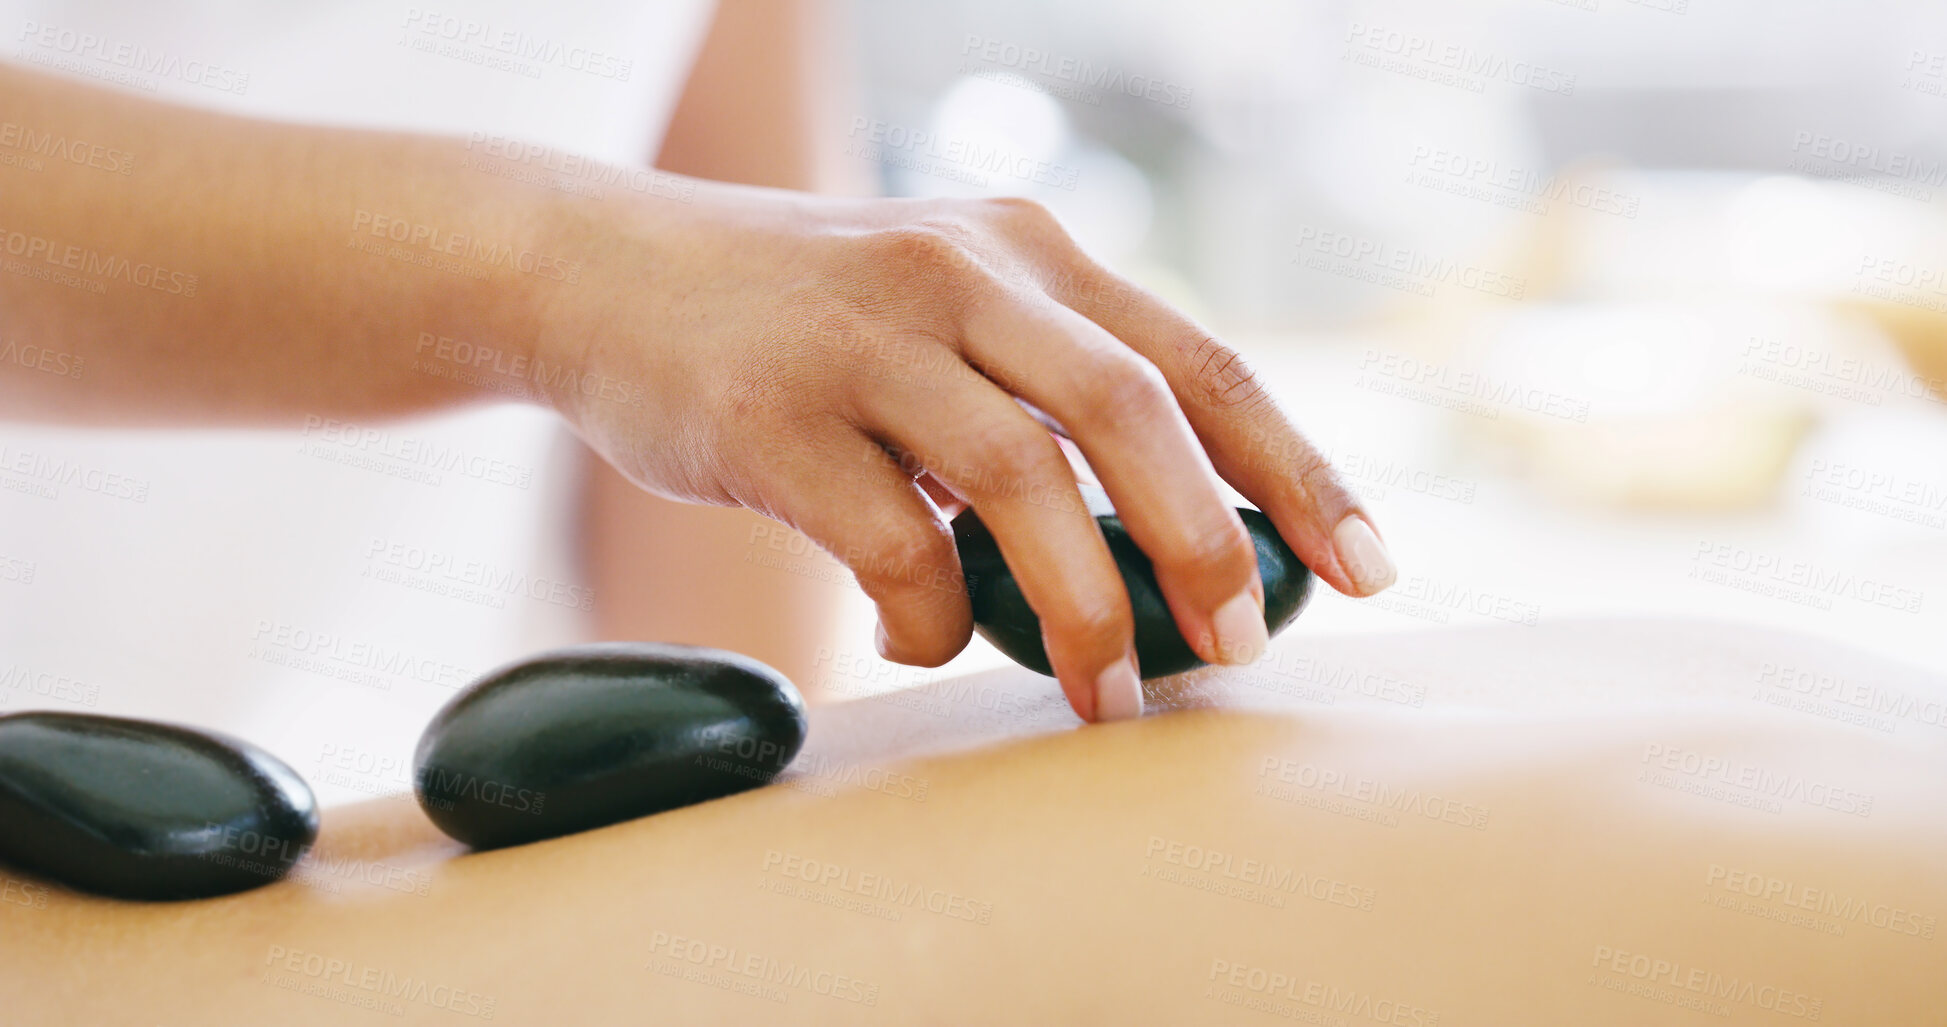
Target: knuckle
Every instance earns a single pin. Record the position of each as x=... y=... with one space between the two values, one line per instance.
x=1223 y=378
x=903 y=558
x=1210 y=551
x=1052 y=253
x=1127 y=387
x=1005 y=460
x=1315 y=477
x=1020 y=210
x=1093 y=626
x=936 y=249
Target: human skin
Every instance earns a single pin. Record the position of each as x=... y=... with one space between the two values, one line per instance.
x=764 y=104
x=804 y=357
x=1523 y=846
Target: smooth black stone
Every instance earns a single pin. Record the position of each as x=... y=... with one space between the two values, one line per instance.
x=1002 y=616
x=140 y=810
x=590 y=735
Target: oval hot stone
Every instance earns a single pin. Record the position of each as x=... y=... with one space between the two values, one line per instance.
x=1002 y=616
x=590 y=735
x=141 y=810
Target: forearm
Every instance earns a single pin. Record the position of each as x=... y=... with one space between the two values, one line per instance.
x=766 y=101
x=215 y=269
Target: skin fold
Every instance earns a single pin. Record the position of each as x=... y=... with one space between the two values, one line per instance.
x=1599 y=823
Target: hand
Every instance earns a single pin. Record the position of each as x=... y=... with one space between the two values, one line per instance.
x=851 y=368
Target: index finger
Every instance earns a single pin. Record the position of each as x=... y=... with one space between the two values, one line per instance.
x=1252 y=442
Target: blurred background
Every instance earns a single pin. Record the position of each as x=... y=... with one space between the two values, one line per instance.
x=1607 y=307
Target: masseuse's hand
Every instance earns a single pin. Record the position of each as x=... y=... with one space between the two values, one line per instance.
x=786 y=344
x=809 y=358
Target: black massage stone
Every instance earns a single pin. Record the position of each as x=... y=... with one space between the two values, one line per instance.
x=1002 y=616
x=590 y=735
x=139 y=810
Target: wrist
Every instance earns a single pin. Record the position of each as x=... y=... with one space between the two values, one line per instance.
x=593 y=348
x=556 y=306
x=484 y=275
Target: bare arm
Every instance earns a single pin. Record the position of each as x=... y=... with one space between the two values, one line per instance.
x=718 y=344
x=227 y=276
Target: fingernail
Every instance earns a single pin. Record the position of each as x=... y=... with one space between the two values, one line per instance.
x=1363 y=555
x=882 y=642
x=1241 y=636
x=1118 y=692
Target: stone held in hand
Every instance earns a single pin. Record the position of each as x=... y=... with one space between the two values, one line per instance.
x=590 y=735
x=1002 y=616
x=141 y=810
